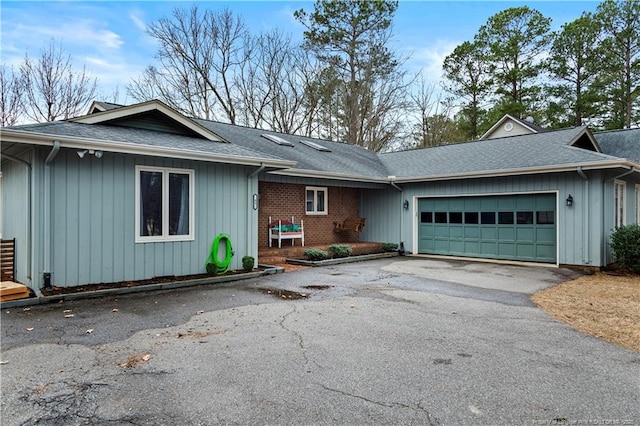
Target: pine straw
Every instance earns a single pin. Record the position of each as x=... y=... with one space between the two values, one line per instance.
x=602 y=305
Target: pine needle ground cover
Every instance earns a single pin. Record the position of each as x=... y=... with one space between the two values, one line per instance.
x=602 y=305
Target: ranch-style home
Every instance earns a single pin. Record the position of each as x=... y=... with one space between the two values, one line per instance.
x=140 y=191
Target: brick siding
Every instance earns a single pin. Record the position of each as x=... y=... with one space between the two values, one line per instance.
x=283 y=200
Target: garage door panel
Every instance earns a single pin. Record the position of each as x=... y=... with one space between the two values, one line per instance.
x=505 y=233
x=514 y=227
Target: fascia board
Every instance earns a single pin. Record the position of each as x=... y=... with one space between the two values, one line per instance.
x=328 y=175
x=126 y=111
x=523 y=171
x=137 y=149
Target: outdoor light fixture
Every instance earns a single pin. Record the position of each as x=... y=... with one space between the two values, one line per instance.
x=83 y=152
x=406 y=204
x=569 y=201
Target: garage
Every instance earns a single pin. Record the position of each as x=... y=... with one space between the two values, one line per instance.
x=518 y=227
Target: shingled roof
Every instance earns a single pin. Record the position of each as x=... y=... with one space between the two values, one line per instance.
x=620 y=143
x=339 y=160
x=531 y=152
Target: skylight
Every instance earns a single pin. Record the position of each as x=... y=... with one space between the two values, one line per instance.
x=276 y=139
x=315 y=146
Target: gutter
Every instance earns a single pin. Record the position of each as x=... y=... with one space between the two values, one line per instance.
x=46 y=273
x=29 y=217
x=253 y=206
x=401 y=249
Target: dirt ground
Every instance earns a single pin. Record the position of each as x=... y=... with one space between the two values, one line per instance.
x=603 y=305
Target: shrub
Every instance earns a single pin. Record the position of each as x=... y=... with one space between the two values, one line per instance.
x=625 y=244
x=212 y=269
x=389 y=246
x=248 y=262
x=340 y=250
x=315 y=254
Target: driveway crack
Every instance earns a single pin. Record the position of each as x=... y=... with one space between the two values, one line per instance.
x=415 y=407
x=301 y=343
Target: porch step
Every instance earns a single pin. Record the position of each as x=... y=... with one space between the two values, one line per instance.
x=12 y=291
x=272 y=260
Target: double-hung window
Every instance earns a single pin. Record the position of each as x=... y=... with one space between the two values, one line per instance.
x=619 y=188
x=164 y=204
x=316 y=200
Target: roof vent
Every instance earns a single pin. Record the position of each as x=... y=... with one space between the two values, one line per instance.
x=276 y=139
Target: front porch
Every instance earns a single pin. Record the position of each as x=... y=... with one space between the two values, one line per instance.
x=278 y=256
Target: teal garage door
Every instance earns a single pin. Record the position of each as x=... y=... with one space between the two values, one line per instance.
x=510 y=227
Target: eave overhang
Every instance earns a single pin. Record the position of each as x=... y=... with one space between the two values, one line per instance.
x=40 y=139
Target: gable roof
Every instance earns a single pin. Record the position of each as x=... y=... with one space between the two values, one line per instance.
x=552 y=151
x=152 y=110
x=527 y=126
x=620 y=143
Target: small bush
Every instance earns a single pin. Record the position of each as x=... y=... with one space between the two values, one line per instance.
x=389 y=246
x=315 y=254
x=340 y=250
x=248 y=262
x=625 y=244
x=212 y=269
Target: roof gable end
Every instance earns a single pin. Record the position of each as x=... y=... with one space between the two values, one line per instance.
x=510 y=126
x=151 y=115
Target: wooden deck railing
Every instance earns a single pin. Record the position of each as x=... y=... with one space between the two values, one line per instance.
x=8 y=260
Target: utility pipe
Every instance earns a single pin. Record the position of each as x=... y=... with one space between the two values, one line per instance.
x=250 y=194
x=46 y=273
x=401 y=246
x=29 y=218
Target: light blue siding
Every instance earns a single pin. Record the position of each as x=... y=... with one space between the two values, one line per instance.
x=580 y=235
x=15 y=212
x=93 y=226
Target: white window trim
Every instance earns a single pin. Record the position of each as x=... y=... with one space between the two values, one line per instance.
x=315 y=190
x=638 y=203
x=619 y=215
x=165 y=205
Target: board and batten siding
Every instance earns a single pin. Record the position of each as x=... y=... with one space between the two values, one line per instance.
x=93 y=219
x=15 y=212
x=580 y=236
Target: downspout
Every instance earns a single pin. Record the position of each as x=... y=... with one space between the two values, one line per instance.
x=253 y=205
x=29 y=218
x=586 y=256
x=604 y=226
x=401 y=249
x=46 y=273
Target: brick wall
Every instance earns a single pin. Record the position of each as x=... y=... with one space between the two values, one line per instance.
x=283 y=200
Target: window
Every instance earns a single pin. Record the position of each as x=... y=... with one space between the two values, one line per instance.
x=524 y=218
x=637 y=202
x=471 y=218
x=455 y=217
x=441 y=217
x=505 y=218
x=426 y=217
x=317 y=200
x=487 y=218
x=619 y=188
x=545 y=217
x=164 y=204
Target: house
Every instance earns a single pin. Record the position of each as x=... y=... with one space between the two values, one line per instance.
x=512 y=126
x=134 y=192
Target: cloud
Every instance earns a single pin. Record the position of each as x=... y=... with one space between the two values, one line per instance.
x=137 y=19
x=429 y=58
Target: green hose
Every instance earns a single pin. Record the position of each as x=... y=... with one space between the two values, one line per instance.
x=222 y=266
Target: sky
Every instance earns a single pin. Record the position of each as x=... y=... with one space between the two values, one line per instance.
x=109 y=37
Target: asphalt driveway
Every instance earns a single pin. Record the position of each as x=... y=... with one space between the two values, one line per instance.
x=392 y=341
